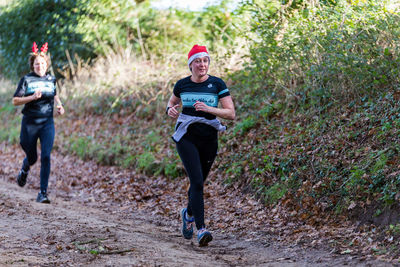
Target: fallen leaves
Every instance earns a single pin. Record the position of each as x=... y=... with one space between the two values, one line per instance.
x=227 y=208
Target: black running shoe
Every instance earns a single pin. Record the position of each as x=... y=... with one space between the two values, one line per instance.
x=21 y=178
x=42 y=198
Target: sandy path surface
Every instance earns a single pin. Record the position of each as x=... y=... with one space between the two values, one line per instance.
x=66 y=233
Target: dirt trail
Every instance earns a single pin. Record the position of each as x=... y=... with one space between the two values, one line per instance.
x=79 y=229
x=66 y=233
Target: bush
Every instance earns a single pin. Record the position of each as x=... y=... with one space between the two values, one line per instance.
x=88 y=28
x=57 y=22
x=316 y=54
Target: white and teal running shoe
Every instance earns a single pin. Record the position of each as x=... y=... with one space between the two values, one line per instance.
x=187 y=225
x=204 y=237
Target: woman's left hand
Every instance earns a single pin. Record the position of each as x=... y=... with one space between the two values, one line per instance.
x=60 y=110
x=200 y=106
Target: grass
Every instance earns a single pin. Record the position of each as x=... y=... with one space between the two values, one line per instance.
x=10 y=116
x=122 y=78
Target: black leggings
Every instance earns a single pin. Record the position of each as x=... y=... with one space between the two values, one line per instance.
x=31 y=131
x=197 y=157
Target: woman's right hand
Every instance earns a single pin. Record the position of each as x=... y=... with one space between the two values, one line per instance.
x=37 y=94
x=173 y=111
x=22 y=100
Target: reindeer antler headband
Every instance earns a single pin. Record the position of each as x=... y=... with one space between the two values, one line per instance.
x=43 y=49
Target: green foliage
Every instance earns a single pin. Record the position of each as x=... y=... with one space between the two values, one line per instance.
x=315 y=54
x=354 y=179
x=80 y=145
x=268 y=111
x=146 y=161
x=275 y=192
x=57 y=22
x=89 y=28
x=85 y=27
x=172 y=168
x=394 y=229
x=220 y=25
x=12 y=134
x=11 y=122
x=234 y=172
x=245 y=125
x=321 y=97
x=129 y=161
x=380 y=163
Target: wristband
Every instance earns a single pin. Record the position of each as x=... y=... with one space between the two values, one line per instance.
x=166 y=110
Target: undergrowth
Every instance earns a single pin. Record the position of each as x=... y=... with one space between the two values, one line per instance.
x=317 y=162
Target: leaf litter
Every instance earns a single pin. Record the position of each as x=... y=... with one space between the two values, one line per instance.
x=230 y=213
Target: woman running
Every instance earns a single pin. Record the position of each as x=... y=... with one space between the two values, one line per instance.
x=196 y=133
x=37 y=92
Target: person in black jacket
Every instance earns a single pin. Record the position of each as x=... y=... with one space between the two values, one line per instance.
x=196 y=134
x=37 y=92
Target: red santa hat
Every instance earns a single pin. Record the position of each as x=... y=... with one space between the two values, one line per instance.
x=196 y=52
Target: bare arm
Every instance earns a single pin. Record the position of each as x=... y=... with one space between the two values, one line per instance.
x=17 y=101
x=59 y=106
x=173 y=105
x=226 y=112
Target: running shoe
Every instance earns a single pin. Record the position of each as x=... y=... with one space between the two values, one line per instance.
x=204 y=237
x=187 y=225
x=42 y=198
x=21 y=178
